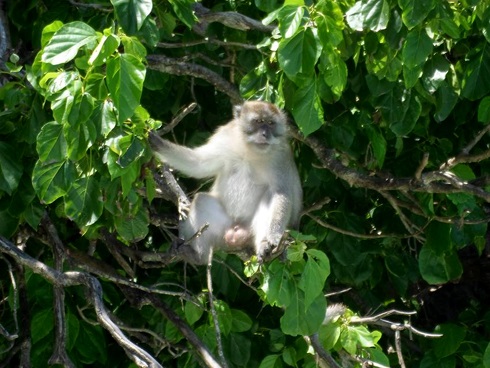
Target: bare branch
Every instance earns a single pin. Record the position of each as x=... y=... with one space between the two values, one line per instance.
x=173 y=66
x=59 y=355
x=230 y=19
x=183 y=112
x=350 y=233
x=431 y=182
x=64 y=279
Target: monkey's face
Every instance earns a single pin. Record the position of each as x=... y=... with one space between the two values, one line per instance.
x=262 y=123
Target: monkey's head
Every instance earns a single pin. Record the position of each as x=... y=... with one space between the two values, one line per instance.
x=262 y=123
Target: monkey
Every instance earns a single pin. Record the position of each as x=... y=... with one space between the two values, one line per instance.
x=256 y=194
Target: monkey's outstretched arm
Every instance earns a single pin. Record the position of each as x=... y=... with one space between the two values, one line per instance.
x=199 y=162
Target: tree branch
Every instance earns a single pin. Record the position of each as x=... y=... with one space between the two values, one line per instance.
x=71 y=278
x=173 y=66
x=431 y=182
x=230 y=19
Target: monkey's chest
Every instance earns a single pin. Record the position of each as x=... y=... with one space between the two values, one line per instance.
x=240 y=190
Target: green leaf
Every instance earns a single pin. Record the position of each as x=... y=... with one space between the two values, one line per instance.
x=106 y=47
x=52 y=180
x=446 y=99
x=334 y=71
x=439 y=269
x=329 y=335
x=435 y=71
x=91 y=344
x=278 y=285
x=79 y=139
x=330 y=23
x=486 y=357
x=438 y=237
x=132 y=227
x=183 y=10
x=299 y=53
x=378 y=142
x=271 y=361
x=484 y=110
x=451 y=340
x=83 y=202
x=131 y=14
x=476 y=79
x=299 y=319
x=369 y=14
x=51 y=144
x=224 y=316
x=416 y=49
x=125 y=77
x=66 y=42
x=307 y=108
x=41 y=324
x=241 y=322
x=239 y=348
x=315 y=274
x=414 y=12
x=192 y=312
x=354 y=336
x=49 y=31
x=290 y=18
x=401 y=109
x=11 y=168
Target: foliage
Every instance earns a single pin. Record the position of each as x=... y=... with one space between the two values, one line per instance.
x=392 y=107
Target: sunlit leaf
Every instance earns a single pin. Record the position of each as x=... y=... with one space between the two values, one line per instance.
x=66 y=42
x=369 y=14
x=125 y=77
x=131 y=14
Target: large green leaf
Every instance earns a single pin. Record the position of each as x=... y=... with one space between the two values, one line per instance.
x=300 y=319
x=52 y=180
x=417 y=48
x=312 y=280
x=369 y=14
x=476 y=79
x=51 y=143
x=83 y=202
x=401 y=109
x=278 y=285
x=334 y=71
x=66 y=42
x=452 y=338
x=132 y=227
x=330 y=23
x=414 y=12
x=125 y=77
x=132 y=13
x=183 y=9
x=307 y=108
x=290 y=18
x=446 y=99
x=299 y=53
x=439 y=269
x=10 y=168
x=439 y=237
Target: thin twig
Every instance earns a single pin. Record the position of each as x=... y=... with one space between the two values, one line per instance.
x=214 y=315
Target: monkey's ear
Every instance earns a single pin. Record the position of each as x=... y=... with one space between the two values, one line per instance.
x=237 y=110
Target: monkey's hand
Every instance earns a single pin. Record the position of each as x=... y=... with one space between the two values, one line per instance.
x=272 y=246
x=183 y=208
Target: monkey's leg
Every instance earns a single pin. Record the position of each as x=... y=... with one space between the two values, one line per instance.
x=205 y=209
x=268 y=228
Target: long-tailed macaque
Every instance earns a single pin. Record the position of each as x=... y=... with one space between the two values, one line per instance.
x=256 y=192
